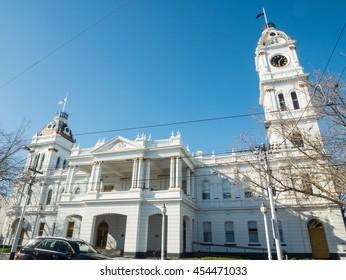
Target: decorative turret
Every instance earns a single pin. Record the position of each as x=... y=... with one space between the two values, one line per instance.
x=59 y=126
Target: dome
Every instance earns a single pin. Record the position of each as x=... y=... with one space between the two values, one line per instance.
x=59 y=126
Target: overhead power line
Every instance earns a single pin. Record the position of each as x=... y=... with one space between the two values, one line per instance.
x=85 y=30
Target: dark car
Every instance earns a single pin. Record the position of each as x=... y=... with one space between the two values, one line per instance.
x=56 y=248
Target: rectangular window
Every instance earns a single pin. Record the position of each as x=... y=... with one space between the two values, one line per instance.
x=207 y=234
x=282 y=102
x=281 y=233
x=229 y=232
x=253 y=233
x=70 y=227
x=295 y=100
x=108 y=188
x=41 y=229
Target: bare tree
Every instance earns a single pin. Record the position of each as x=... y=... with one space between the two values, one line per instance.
x=308 y=168
x=11 y=164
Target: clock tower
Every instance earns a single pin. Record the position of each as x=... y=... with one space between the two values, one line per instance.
x=284 y=93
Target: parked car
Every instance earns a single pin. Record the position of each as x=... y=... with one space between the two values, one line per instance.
x=56 y=248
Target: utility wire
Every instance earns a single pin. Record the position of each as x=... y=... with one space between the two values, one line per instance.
x=319 y=80
x=106 y=16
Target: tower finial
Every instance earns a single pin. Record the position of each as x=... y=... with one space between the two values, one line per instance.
x=263 y=13
x=63 y=102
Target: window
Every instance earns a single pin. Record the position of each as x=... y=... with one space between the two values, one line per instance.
x=42 y=160
x=296 y=139
x=64 y=164
x=295 y=100
x=253 y=233
x=282 y=102
x=57 y=163
x=226 y=189
x=207 y=234
x=77 y=191
x=41 y=229
x=205 y=190
x=281 y=233
x=49 y=197
x=229 y=232
x=62 y=247
x=70 y=227
x=108 y=188
x=248 y=192
x=47 y=244
x=306 y=184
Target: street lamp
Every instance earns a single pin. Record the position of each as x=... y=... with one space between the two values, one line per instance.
x=275 y=227
x=163 y=212
x=263 y=209
x=21 y=219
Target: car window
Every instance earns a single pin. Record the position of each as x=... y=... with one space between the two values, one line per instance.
x=62 y=246
x=83 y=247
x=32 y=243
x=47 y=244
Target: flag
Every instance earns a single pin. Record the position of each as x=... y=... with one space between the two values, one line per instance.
x=260 y=14
x=63 y=101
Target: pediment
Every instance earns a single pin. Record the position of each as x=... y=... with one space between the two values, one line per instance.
x=118 y=144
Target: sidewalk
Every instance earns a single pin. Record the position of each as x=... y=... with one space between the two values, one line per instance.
x=4 y=256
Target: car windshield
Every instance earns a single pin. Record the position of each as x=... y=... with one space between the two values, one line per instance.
x=83 y=247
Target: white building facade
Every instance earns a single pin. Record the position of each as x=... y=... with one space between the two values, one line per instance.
x=111 y=194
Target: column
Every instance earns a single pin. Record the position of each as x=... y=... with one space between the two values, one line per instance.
x=188 y=181
x=95 y=176
x=172 y=173
x=140 y=179
x=134 y=174
x=69 y=178
x=192 y=185
x=147 y=174
x=179 y=173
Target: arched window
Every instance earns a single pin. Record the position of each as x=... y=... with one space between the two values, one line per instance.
x=57 y=163
x=282 y=102
x=226 y=189
x=205 y=190
x=295 y=100
x=49 y=197
x=77 y=191
x=42 y=161
x=64 y=164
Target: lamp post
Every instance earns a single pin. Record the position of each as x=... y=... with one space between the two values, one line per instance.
x=274 y=221
x=163 y=212
x=21 y=219
x=263 y=209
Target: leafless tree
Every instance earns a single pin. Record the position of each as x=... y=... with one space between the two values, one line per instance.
x=11 y=163
x=308 y=168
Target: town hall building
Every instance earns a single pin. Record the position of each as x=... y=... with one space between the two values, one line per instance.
x=112 y=194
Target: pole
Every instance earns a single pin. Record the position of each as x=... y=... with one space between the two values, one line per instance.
x=264 y=211
x=21 y=219
x=272 y=207
x=163 y=212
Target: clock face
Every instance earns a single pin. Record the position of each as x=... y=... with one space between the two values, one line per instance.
x=279 y=60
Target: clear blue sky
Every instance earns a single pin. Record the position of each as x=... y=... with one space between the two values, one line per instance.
x=151 y=62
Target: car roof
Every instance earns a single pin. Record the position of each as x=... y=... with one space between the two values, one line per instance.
x=60 y=238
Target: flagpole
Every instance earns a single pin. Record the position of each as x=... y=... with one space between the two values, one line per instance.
x=265 y=16
x=65 y=101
